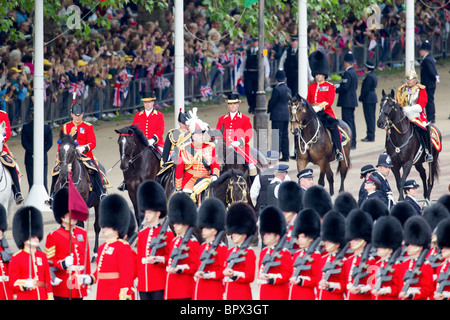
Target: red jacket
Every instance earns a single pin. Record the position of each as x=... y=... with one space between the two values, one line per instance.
x=19 y=271
x=115 y=271
x=339 y=280
x=152 y=125
x=239 y=288
x=279 y=290
x=212 y=288
x=311 y=277
x=152 y=277
x=442 y=269
x=181 y=285
x=322 y=92
x=86 y=135
x=422 y=100
x=57 y=249
x=352 y=262
x=426 y=284
x=4 y=117
x=5 y=288
x=394 y=284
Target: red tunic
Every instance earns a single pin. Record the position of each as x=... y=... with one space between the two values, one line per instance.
x=151 y=277
x=212 y=288
x=422 y=99
x=4 y=117
x=5 y=288
x=311 y=277
x=279 y=290
x=181 y=285
x=57 y=249
x=19 y=271
x=239 y=289
x=425 y=285
x=394 y=284
x=319 y=92
x=86 y=135
x=443 y=268
x=338 y=279
x=152 y=125
x=115 y=271
x=352 y=262
x=237 y=129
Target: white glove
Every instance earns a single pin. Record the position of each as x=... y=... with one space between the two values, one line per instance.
x=236 y=144
x=151 y=142
x=437 y=79
x=213 y=178
x=337 y=85
x=56 y=281
x=317 y=108
x=68 y=261
x=85 y=279
x=29 y=284
x=81 y=149
x=412 y=112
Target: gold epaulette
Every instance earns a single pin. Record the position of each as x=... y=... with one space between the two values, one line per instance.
x=88 y=123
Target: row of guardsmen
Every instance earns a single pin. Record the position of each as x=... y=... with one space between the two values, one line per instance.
x=312 y=249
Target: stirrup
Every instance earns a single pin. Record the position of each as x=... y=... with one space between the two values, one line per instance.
x=339 y=156
x=18 y=197
x=122 y=187
x=429 y=157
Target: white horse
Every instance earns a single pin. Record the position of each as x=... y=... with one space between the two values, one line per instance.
x=6 y=194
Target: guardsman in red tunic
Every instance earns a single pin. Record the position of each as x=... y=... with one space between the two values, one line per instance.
x=238 y=131
x=275 y=262
x=196 y=159
x=321 y=96
x=413 y=98
x=209 y=276
x=184 y=250
x=5 y=257
x=116 y=268
x=290 y=202
x=417 y=234
x=239 y=272
x=442 y=290
x=387 y=237
x=358 y=231
x=67 y=262
x=29 y=283
x=7 y=156
x=152 y=255
x=307 y=272
x=333 y=282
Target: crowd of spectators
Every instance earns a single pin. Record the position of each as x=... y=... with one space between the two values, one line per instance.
x=138 y=50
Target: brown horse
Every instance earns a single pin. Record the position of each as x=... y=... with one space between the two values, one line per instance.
x=404 y=147
x=68 y=158
x=313 y=142
x=138 y=161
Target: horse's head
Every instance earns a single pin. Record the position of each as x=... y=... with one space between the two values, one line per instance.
x=300 y=113
x=2 y=134
x=388 y=109
x=130 y=143
x=237 y=188
x=67 y=153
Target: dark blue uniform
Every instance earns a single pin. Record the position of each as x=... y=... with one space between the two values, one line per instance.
x=369 y=99
x=428 y=75
x=385 y=189
x=347 y=99
x=414 y=204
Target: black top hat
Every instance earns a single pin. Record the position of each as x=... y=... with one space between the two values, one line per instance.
x=367 y=169
x=22 y=229
x=387 y=233
x=151 y=196
x=290 y=197
x=272 y=220
x=280 y=76
x=115 y=214
x=349 y=57
x=306 y=173
x=410 y=184
x=182 y=209
x=148 y=96
x=233 y=98
x=358 y=225
x=384 y=160
x=77 y=109
x=211 y=214
x=426 y=45
x=308 y=223
x=240 y=219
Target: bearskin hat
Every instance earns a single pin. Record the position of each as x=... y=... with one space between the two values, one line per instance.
x=182 y=209
x=317 y=198
x=318 y=62
x=308 y=223
x=115 y=214
x=3 y=218
x=211 y=214
x=240 y=219
x=445 y=200
x=402 y=211
x=151 y=196
x=333 y=227
x=272 y=221
x=290 y=197
x=344 y=203
x=443 y=233
x=358 y=225
x=434 y=213
x=417 y=231
x=375 y=207
x=22 y=229
x=60 y=204
x=387 y=233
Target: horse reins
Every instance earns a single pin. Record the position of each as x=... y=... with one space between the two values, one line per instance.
x=300 y=138
x=242 y=184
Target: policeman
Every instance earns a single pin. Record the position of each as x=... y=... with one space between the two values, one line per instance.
x=384 y=166
x=369 y=99
x=429 y=78
x=305 y=178
x=258 y=190
x=372 y=185
x=365 y=171
x=280 y=175
x=411 y=190
x=289 y=63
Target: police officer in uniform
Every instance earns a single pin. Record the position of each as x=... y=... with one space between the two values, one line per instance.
x=289 y=63
x=384 y=166
x=305 y=178
x=411 y=190
x=258 y=190
x=280 y=175
x=365 y=171
x=249 y=69
x=369 y=99
x=428 y=77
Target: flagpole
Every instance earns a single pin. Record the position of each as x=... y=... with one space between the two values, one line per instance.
x=178 y=99
x=69 y=167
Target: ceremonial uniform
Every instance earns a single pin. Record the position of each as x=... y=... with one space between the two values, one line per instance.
x=5 y=288
x=442 y=289
x=305 y=290
x=350 y=264
x=175 y=139
x=424 y=288
x=338 y=281
x=322 y=93
x=390 y=288
x=151 y=124
x=86 y=136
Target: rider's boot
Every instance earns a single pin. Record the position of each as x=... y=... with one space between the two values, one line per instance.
x=18 y=197
x=122 y=187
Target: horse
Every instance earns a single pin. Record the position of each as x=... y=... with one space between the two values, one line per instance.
x=68 y=160
x=313 y=142
x=6 y=194
x=404 y=147
x=138 y=161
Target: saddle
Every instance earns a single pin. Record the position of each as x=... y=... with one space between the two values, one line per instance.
x=344 y=135
x=201 y=185
x=9 y=161
x=435 y=139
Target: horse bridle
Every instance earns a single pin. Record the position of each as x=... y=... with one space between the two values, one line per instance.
x=389 y=122
x=242 y=185
x=134 y=158
x=65 y=162
x=293 y=118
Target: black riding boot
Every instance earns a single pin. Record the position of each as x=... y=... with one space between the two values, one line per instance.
x=18 y=197
x=336 y=139
x=122 y=186
x=425 y=140
x=97 y=184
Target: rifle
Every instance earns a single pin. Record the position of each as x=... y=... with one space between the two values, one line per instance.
x=207 y=255
x=300 y=262
x=410 y=275
x=239 y=256
x=443 y=280
x=6 y=254
x=177 y=253
x=269 y=259
x=157 y=242
x=381 y=274
x=435 y=259
x=331 y=267
x=360 y=271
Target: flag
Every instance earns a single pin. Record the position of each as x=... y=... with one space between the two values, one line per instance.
x=76 y=204
x=248 y=3
x=206 y=91
x=220 y=68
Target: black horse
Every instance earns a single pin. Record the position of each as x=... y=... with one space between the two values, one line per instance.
x=403 y=145
x=313 y=143
x=138 y=161
x=68 y=160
